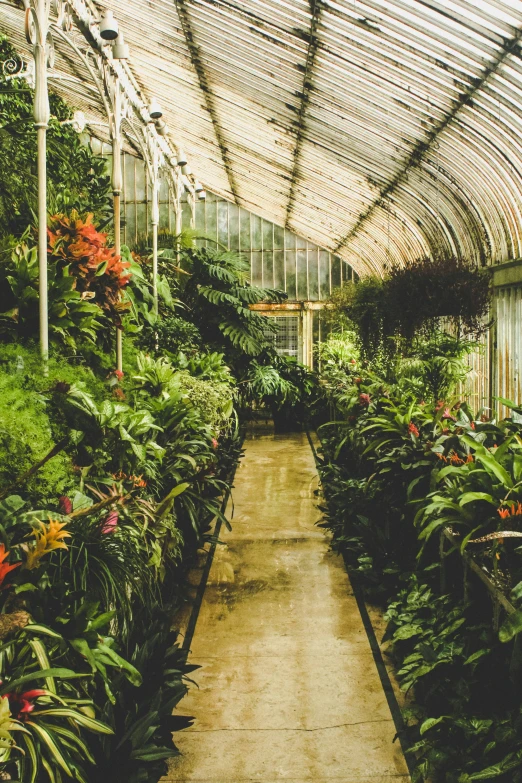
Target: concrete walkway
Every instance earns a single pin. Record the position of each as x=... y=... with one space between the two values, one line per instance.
x=288 y=689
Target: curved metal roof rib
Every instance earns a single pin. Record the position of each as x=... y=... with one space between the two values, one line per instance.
x=382 y=130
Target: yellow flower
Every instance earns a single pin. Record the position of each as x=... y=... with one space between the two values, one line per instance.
x=48 y=537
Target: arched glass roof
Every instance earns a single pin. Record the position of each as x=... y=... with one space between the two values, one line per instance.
x=381 y=130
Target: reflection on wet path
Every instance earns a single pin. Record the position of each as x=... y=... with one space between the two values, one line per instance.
x=288 y=689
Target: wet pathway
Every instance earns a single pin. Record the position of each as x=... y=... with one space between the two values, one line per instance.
x=288 y=689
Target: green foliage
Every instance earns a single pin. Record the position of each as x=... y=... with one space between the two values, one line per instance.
x=70 y=315
x=387 y=313
x=77 y=179
x=402 y=462
x=214 y=288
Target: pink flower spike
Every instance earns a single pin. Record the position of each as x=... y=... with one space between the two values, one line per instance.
x=111 y=523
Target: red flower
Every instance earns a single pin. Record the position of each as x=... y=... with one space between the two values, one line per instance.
x=21 y=704
x=413 y=429
x=472 y=425
x=364 y=399
x=65 y=505
x=353 y=361
x=214 y=443
x=119 y=374
x=358 y=381
x=111 y=523
x=5 y=568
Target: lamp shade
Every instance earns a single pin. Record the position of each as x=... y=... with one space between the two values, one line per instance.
x=161 y=127
x=108 y=26
x=120 y=50
x=186 y=170
x=155 y=110
x=182 y=158
x=202 y=194
x=198 y=187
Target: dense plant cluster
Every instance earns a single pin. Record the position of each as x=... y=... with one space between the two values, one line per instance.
x=80 y=251
x=414 y=299
x=405 y=460
x=77 y=179
x=106 y=486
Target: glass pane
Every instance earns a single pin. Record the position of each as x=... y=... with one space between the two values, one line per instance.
x=211 y=228
x=289 y=240
x=140 y=181
x=302 y=283
x=164 y=189
x=257 y=269
x=222 y=219
x=287 y=337
x=128 y=181
x=141 y=220
x=313 y=272
x=129 y=231
x=290 y=274
x=300 y=243
x=200 y=218
x=324 y=274
x=186 y=215
x=268 y=268
x=244 y=232
x=279 y=238
x=279 y=269
x=233 y=226
x=336 y=271
x=164 y=216
x=347 y=272
x=256 y=232
x=268 y=235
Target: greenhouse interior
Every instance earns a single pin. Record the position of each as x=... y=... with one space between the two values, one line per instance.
x=260 y=391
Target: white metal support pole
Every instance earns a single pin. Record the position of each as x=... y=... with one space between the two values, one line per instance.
x=191 y=198
x=155 y=225
x=37 y=34
x=117 y=185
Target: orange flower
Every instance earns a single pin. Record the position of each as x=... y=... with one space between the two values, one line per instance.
x=455 y=459
x=48 y=537
x=512 y=511
x=5 y=568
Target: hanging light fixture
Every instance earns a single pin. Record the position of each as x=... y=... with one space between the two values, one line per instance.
x=155 y=110
x=182 y=158
x=186 y=170
x=161 y=127
x=198 y=187
x=202 y=194
x=108 y=26
x=120 y=50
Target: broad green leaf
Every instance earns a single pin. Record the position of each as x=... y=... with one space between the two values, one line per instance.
x=471 y=497
x=430 y=723
x=511 y=626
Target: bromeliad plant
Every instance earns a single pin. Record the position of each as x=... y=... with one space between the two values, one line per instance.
x=99 y=274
